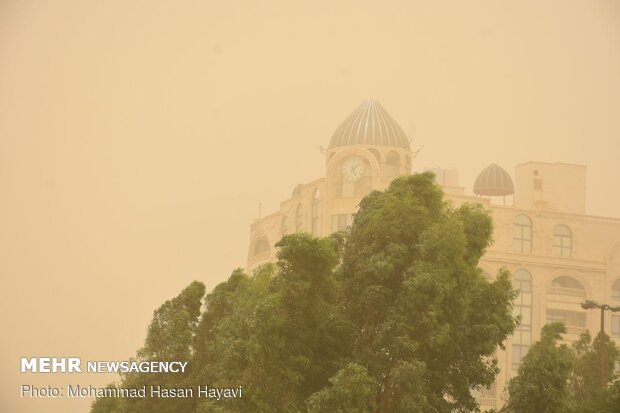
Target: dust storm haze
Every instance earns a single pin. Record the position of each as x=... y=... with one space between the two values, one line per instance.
x=137 y=138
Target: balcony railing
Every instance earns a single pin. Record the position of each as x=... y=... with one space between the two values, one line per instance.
x=487 y=401
x=571 y=292
x=574 y=330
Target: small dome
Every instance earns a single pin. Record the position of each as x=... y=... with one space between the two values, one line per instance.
x=494 y=181
x=369 y=124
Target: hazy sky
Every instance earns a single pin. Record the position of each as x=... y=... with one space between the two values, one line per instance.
x=137 y=138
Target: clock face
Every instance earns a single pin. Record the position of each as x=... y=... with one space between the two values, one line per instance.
x=353 y=169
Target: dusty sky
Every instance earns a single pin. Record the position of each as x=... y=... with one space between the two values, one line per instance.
x=138 y=137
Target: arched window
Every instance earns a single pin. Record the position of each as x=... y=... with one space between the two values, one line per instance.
x=316 y=213
x=297 y=190
x=261 y=244
x=392 y=164
x=376 y=153
x=487 y=275
x=284 y=226
x=522 y=237
x=615 y=290
x=522 y=338
x=299 y=219
x=568 y=286
x=562 y=241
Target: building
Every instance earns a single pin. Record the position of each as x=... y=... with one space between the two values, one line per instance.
x=558 y=255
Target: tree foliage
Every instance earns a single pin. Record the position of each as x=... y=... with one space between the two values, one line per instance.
x=542 y=381
x=169 y=337
x=427 y=323
x=393 y=315
x=556 y=378
x=591 y=394
x=352 y=390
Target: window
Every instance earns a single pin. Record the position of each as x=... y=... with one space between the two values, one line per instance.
x=392 y=164
x=487 y=276
x=522 y=337
x=316 y=213
x=518 y=352
x=376 y=153
x=522 y=238
x=538 y=184
x=341 y=221
x=299 y=219
x=615 y=290
x=297 y=190
x=261 y=244
x=562 y=241
x=284 y=226
x=570 y=318
x=575 y=321
x=568 y=286
x=615 y=325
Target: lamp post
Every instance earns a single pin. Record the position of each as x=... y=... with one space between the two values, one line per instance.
x=588 y=305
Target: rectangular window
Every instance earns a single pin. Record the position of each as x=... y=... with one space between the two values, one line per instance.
x=615 y=325
x=341 y=221
x=562 y=246
x=575 y=321
x=537 y=185
x=522 y=238
x=518 y=352
x=348 y=189
x=526 y=317
x=316 y=218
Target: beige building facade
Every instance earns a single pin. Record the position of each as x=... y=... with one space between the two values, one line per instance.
x=558 y=255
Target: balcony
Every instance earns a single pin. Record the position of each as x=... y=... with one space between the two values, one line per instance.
x=575 y=330
x=566 y=291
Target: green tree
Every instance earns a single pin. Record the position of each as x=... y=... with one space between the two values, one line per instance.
x=590 y=395
x=109 y=404
x=280 y=333
x=392 y=315
x=169 y=338
x=612 y=398
x=427 y=323
x=352 y=390
x=542 y=383
x=224 y=333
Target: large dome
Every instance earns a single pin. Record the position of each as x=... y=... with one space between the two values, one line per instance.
x=494 y=181
x=369 y=124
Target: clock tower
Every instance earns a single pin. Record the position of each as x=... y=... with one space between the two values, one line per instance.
x=367 y=151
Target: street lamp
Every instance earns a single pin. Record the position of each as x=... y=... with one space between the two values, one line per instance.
x=588 y=305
